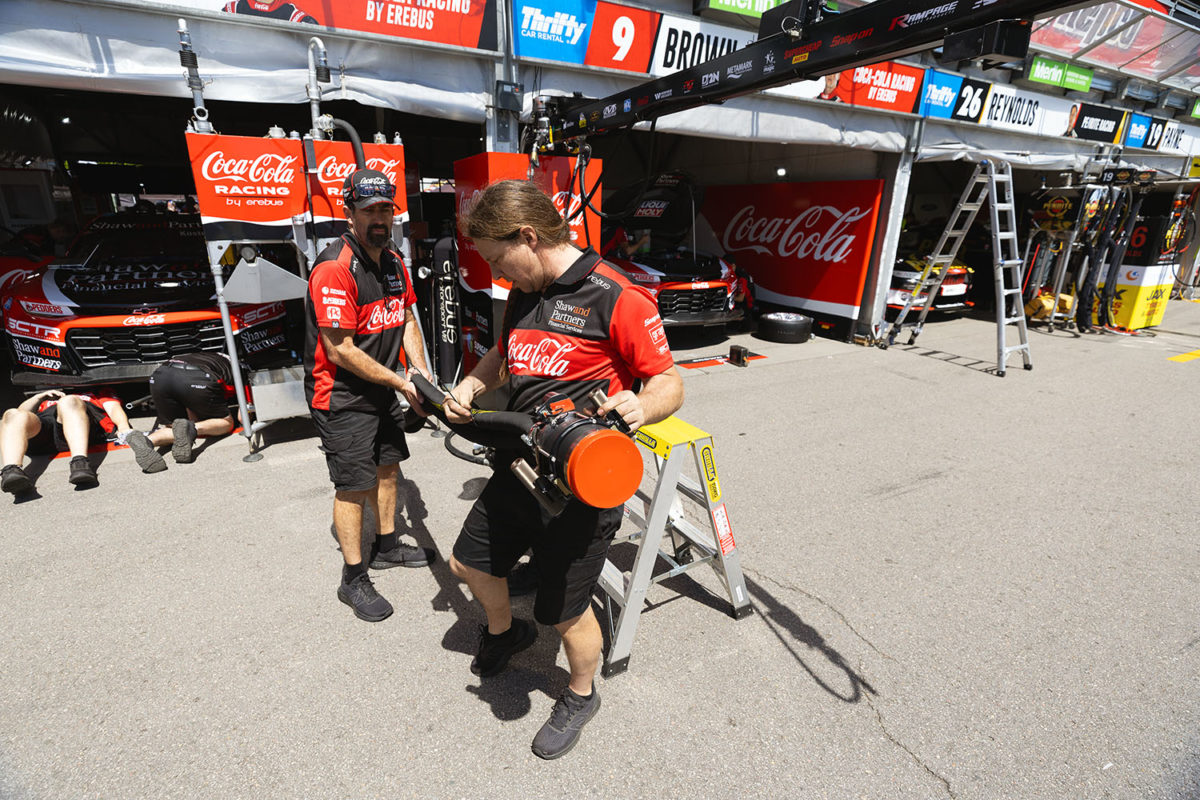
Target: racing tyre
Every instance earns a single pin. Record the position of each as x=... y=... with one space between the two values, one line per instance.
x=784 y=326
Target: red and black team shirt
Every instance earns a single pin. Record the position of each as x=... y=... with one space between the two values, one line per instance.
x=347 y=290
x=593 y=328
x=94 y=407
x=274 y=9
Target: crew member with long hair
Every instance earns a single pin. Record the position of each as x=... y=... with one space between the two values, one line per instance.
x=573 y=324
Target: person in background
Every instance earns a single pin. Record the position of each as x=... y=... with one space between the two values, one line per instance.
x=50 y=422
x=191 y=394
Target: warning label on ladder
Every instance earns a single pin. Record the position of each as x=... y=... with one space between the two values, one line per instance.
x=724 y=531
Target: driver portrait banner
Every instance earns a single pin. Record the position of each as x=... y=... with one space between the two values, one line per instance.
x=334 y=161
x=807 y=245
x=453 y=22
x=247 y=187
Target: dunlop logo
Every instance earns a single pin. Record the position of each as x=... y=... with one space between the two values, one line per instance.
x=710 y=473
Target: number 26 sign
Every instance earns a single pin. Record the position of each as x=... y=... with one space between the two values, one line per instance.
x=622 y=37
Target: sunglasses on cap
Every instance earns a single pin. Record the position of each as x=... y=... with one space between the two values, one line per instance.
x=357 y=193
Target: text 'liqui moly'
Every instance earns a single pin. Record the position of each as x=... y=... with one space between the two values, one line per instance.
x=820 y=233
x=546 y=357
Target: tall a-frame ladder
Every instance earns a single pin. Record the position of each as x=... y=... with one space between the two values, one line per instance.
x=991 y=179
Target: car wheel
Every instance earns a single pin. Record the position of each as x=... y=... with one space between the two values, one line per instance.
x=784 y=326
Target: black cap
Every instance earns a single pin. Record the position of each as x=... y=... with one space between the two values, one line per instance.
x=366 y=187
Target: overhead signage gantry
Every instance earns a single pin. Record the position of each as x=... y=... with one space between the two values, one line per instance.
x=801 y=40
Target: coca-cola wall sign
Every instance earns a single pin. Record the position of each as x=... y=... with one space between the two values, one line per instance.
x=807 y=245
x=247 y=187
x=335 y=161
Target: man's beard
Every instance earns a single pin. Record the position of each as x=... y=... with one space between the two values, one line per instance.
x=377 y=236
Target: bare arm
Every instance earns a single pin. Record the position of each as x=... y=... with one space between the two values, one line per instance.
x=486 y=376
x=340 y=348
x=116 y=412
x=660 y=397
x=31 y=403
x=414 y=346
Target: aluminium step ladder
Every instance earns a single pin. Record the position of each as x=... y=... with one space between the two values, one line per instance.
x=664 y=535
x=991 y=179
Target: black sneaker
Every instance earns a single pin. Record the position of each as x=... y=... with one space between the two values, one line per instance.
x=360 y=595
x=14 y=480
x=495 y=651
x=82 y=474
x=143 y=451
x=560 y=733
x=402 y=555
x=185 y=436
x=523 y=579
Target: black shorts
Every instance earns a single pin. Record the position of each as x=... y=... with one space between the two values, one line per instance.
x=569 y=549
x=355 y=443
x=179 y=388
x=50 y=438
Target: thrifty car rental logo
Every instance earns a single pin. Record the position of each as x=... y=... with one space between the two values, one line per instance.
x=562 y=27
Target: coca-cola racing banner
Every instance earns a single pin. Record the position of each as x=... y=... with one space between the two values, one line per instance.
x=247 y=187
x=455 y=22
x=807 y=245
x=335 y=161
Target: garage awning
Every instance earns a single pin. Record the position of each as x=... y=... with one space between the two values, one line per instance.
x=133 y=48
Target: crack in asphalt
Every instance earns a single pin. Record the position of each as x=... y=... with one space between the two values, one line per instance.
x=822 y=601
x=916 y=759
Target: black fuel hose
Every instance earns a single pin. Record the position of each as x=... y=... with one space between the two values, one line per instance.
x=499 y=429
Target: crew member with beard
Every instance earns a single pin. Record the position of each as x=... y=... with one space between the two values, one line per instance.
x=359 y=311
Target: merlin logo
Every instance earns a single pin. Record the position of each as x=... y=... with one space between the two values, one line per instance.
x=561 y=27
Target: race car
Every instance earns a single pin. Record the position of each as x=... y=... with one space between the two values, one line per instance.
x=953 y=296
x=133 y=290
x=652 y=243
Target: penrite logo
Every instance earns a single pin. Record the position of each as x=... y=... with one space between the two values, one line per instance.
x=818 y=233
x=920 y=17
x=709 y=79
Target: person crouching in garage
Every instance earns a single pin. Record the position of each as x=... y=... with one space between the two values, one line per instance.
x=191 y=394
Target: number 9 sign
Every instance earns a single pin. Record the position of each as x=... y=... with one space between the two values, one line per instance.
x=622 y=37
